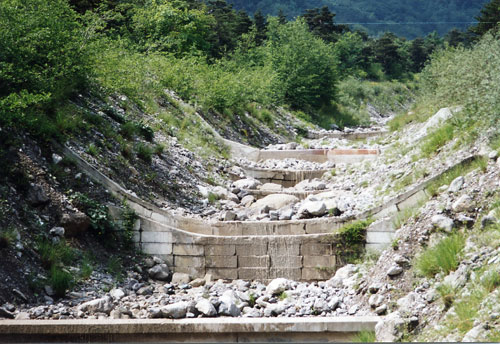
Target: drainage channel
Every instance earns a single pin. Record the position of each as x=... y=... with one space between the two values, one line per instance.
x=201 y=330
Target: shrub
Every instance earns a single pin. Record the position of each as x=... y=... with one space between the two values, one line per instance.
x=365 y=337
x=100 y=219
x=128 y=130
x=354 y=232
x=7 y=237
x=443 y=257
x=437 y=139
x=60 y=280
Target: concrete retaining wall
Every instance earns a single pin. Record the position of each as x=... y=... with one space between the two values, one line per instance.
x=317 y=329
x=286 y=178
x=297 y=249
x=347 y=136
x=314 y=155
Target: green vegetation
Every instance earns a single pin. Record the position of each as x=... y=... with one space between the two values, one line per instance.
x=60 y=280
x=365 y=337
x=459 y=170
x=443 y=257
x=354 y=232
x=100 y=219
x=7 y=237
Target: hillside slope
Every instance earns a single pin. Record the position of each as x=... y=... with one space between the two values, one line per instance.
x=440 y=16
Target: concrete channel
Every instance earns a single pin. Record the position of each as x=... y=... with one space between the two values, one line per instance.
x=260 y=250
x=200 y=330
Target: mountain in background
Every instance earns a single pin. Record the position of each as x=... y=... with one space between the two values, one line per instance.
x=424 y=16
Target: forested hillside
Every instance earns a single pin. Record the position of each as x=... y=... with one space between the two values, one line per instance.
x=444 y=15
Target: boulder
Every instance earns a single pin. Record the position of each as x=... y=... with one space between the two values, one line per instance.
x=277 y=286
x=102 y=305
x=442 y=222
x=206 y=308
x=75 y=223
x=390 y=328
x=159 y=272
x=180 y=278
x=37 y=196
x=57 y=231
x=275 y=201
x=394 y=270
x=117 y=294
x=456 y=185
x=228 y=305
x=176 y=310
x=312 y=208
x=249 y=183
x=247 y=200
x=463 y=203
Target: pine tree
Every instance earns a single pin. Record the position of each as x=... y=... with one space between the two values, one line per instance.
x=488 y=19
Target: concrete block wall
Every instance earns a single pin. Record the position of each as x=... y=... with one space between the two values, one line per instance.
x=297 y=257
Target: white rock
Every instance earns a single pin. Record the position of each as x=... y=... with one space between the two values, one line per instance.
x=456 y=185
x=390 y=328
x=159 y=272
x=102 y=305
x=275 y=201
x=176 y=310
x=312 y=208
x=442 y=222
x=463 y=203
x=56 y=158
x=57 y=231
x=247 y=200
x=206 y=308
x=395 y=270
x=180 y=278
x=228 y=305
x=476 y=334
x=250 y=184
x=117 y=294
x=277 y=286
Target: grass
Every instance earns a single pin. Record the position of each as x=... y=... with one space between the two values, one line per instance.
x=457 y=171
x=283 y=295
x=60 y=280
x=115 y=267
x=443 y=257
x=55 y=254
x=365 y=337
x=92 y=150
x=7 y=237
x=437 y=139
x=86 y=266
x=144 y=152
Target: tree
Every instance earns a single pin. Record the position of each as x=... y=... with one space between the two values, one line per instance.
x=43 y=56
x=488 y=19
x=320 y=22
x=260 y=27
x=304 y=63
x=282 y=17
x=418 y=54
x=456 y=37
x=170 y=26
x=386 y=53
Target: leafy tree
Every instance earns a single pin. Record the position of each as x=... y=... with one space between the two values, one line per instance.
x=170 y=26
x=455 y=37
x=304 y=64
x=488 y=19
x=42 y=59
x=350 y=54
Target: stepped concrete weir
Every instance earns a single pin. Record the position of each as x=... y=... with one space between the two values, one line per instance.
x=310 y=249
x=200 y=330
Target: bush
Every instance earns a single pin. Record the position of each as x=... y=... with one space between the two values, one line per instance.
x=443 y=257
x=100 y=219
x=354 y=232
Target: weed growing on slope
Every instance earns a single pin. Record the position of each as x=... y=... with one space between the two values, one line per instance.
x=365 y=337
x=443 y=257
